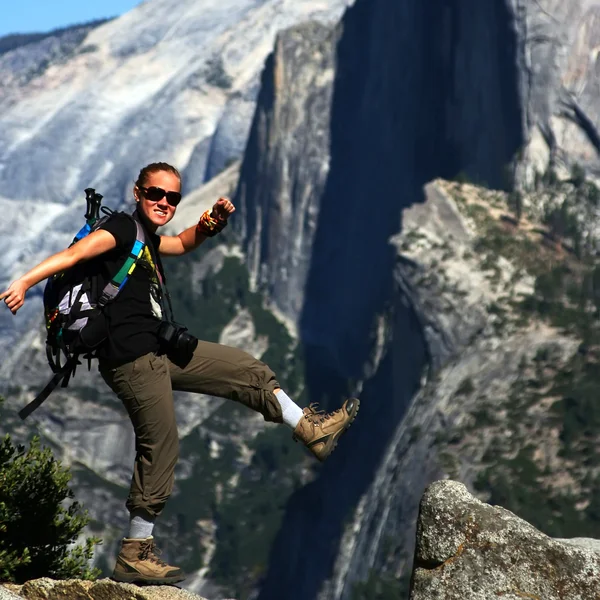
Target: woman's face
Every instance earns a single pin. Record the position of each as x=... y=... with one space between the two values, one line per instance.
x=157 y=212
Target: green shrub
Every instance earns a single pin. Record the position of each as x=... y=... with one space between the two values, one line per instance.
x=562 y=222
x=466 y=387
x=592 y=193
x=577 y=175
x=216 y=74
x=380 y=586
x=37 y=527
x=515 y=203
x=577 y=410
x=462 y=177
x=550 y=178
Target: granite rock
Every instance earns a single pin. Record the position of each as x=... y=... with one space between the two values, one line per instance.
x=469 y=549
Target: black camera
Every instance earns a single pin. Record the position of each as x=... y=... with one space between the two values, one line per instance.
x=177 y=343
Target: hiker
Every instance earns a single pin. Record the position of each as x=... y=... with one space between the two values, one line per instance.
x=145 y=358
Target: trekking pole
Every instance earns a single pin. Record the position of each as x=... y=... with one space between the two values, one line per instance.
x=93 y=201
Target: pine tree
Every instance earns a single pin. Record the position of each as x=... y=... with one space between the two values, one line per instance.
x=515 y=203
x=39 y=521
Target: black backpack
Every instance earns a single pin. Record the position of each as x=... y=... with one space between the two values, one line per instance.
x=73 y=302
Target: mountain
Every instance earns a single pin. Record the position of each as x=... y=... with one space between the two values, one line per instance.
x=16 y=40
x=417 y=224
x=495 y=93
x=168 y=80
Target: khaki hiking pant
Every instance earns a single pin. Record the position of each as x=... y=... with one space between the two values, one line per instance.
x=145 y=386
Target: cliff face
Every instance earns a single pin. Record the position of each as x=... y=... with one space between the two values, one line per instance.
x=420 y=90
x=402 y=111
x=286 y=164
x=499 y=91
x=556 y=62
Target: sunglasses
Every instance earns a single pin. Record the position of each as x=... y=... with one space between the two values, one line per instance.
x=154 y=194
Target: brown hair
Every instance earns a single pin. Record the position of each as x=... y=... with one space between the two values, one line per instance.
x=155 y=168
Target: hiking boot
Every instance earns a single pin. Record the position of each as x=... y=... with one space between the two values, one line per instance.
x=138 y=562
x=320 y=431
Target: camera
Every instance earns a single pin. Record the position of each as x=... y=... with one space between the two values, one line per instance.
x=177 y=343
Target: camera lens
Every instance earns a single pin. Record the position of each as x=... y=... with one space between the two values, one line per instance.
x=186 y=343
x=177 y=343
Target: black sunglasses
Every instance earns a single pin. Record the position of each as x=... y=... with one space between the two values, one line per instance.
x=154 y=194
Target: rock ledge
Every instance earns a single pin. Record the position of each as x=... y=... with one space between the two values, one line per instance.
x=103 y=589
x=469 y=549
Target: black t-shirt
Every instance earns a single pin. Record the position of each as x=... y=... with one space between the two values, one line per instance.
x=135 y=314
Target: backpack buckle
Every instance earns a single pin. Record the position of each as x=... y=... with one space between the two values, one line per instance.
x=104 y=299
x=108 y=294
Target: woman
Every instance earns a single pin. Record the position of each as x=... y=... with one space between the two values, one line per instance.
x=139 y=369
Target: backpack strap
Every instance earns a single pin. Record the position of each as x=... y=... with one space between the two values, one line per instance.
x=167 y=307
x=53 y=356
x=62 y=374
x=113 y=287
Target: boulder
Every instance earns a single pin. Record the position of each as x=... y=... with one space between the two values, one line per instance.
x=469 y=550
x=6 y=594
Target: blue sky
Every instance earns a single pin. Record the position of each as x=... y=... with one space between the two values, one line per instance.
x=25 y=16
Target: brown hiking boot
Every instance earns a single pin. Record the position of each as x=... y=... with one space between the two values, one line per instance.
x=320 y=431
x=138 y=562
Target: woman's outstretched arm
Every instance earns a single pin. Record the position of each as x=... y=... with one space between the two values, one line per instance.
x=192 y=237
x=94 y=244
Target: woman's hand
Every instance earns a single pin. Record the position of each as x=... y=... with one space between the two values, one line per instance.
x=222 y=209
x=14 y=296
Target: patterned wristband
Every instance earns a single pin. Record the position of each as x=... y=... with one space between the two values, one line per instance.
x=209 y=226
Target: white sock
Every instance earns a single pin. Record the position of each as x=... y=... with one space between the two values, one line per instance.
x=141 y=525
x=292 y=413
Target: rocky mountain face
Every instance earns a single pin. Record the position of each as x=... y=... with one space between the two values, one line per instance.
x=459 y=324
x=482 y=91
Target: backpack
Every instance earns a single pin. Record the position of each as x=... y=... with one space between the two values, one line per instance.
x=73 y=302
